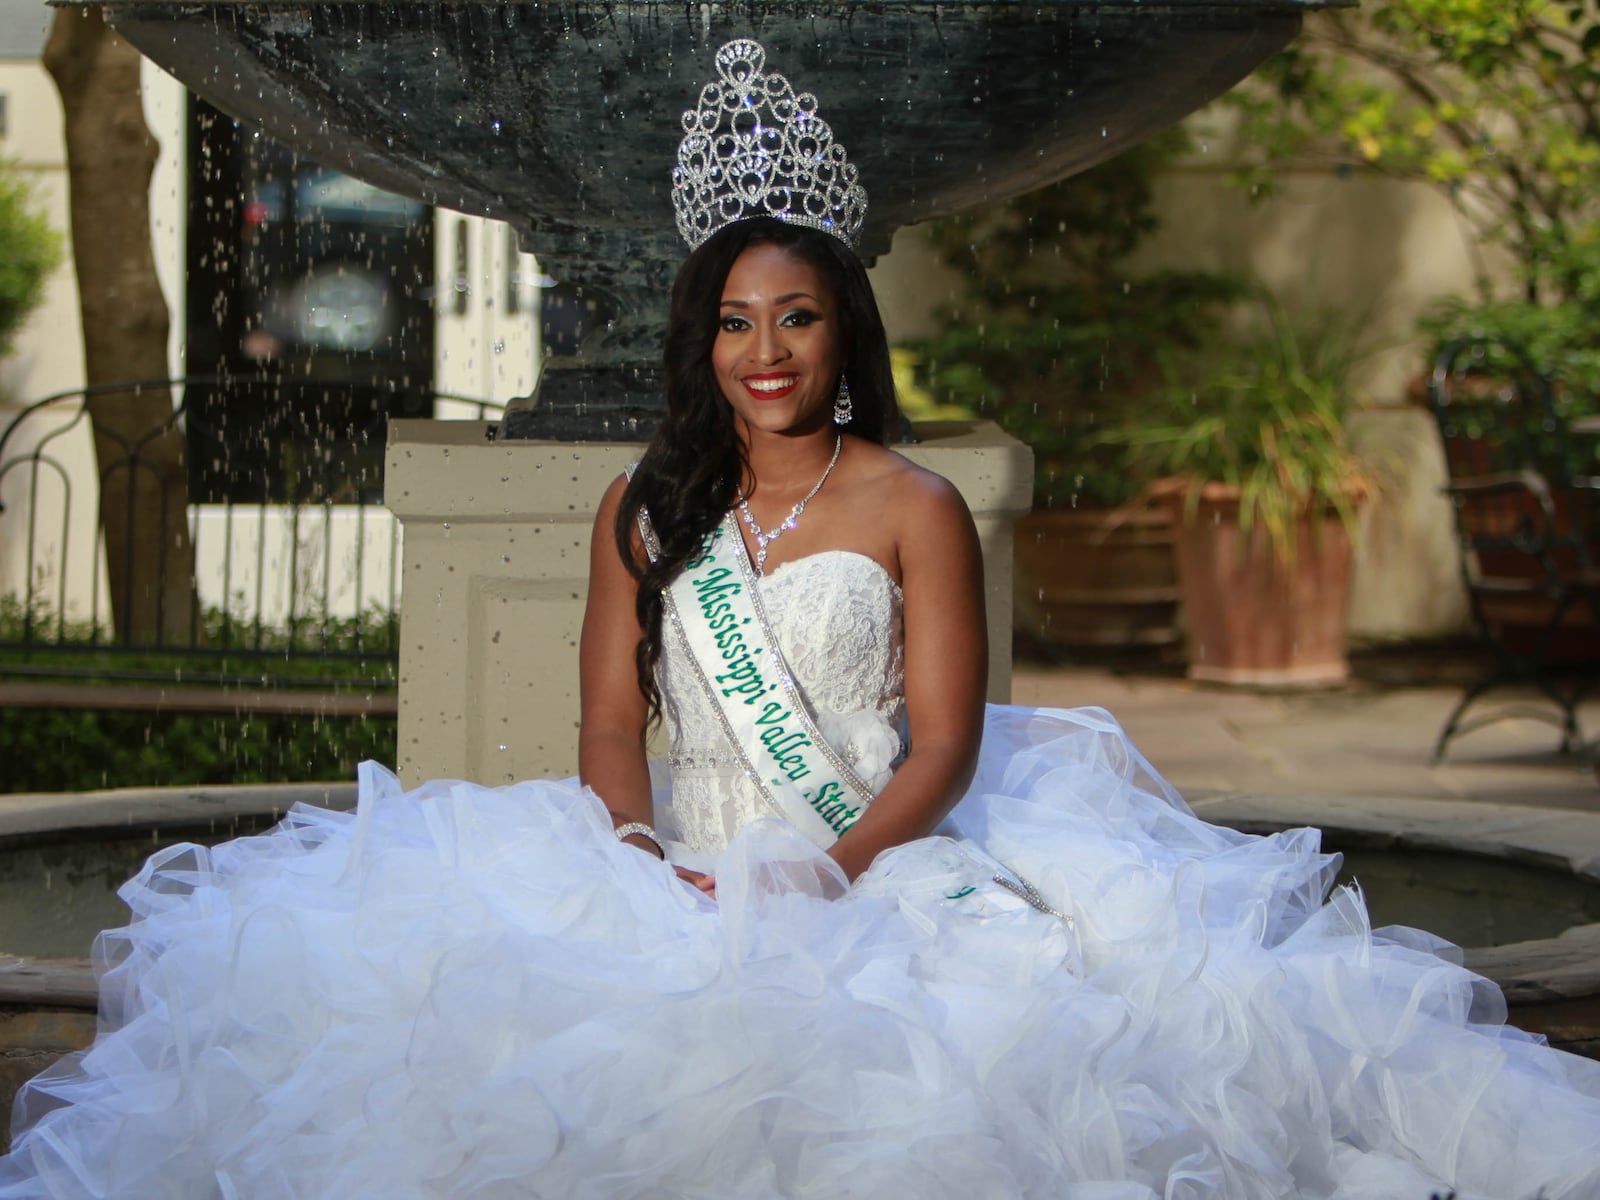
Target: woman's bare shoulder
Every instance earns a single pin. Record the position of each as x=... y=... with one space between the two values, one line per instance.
x=611 y=499
x=926 y=500
x=603 y=545
x=918 y=513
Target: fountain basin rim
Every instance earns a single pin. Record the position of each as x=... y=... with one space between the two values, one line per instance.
x=1541 y=971
x=1560 y=838
x=30 y=816
x=1151 y=6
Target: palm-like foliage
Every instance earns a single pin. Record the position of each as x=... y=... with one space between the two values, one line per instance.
x=1266 y=417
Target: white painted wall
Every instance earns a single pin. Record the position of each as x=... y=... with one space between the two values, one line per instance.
x=47 y=358
x=271 y=563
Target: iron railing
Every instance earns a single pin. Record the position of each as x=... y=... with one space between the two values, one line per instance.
x=306 y=569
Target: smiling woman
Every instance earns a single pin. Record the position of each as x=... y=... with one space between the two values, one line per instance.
x=779 y=341
x=890 y=964
x=769 y=318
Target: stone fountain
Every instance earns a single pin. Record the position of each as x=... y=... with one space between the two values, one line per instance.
x=562 y=119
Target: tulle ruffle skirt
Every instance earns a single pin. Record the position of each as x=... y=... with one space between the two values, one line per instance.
x=469 y=992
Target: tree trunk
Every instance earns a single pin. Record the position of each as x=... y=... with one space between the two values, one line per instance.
x=144 y=492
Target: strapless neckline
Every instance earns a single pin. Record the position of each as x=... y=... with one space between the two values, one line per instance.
x=819 y=558
x=836 y=617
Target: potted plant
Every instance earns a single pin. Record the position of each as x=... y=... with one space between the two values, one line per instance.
x=1555 y=328
x=1516 y=342
x=1251 y=459
x=1055 y=339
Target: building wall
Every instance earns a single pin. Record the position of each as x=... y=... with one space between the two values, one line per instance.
x=47 y=356
x=1381 y=251
x=483 y=351
x=1384 y=249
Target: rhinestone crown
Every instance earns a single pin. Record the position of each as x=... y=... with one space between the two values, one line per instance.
x=754 y=148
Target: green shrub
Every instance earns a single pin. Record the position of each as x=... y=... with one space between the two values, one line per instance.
x=29 y=251
x=69 y=750
x=77 y=749
x=1264 y=413
x=1496 y=105
x=1560 y=336
x=1057 y=337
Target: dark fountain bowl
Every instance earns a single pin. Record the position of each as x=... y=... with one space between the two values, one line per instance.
x=563 y=119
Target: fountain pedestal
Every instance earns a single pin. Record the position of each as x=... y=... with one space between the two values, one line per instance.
x=496 y=567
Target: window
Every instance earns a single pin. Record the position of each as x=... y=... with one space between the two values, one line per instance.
x=311 y=298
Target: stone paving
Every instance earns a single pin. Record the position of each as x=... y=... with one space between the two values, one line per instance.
x=1368 y=739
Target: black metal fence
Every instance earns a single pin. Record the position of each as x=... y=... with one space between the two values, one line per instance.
x=285 y=558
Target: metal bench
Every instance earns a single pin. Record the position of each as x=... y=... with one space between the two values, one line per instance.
x=1525 y=495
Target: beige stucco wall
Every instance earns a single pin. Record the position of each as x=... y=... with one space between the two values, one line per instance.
x=1384 y=253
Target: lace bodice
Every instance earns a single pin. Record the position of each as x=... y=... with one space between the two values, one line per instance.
x=837 y=618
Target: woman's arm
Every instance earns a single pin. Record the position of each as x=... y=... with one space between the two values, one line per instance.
x=947 y=666
x=611 y=736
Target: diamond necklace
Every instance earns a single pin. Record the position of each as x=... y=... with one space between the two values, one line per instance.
x=789 y=522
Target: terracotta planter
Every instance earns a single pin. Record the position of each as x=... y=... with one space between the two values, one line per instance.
x=1251 y=621
x=1088 y=577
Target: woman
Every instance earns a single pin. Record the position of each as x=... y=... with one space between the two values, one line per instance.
x=1075 y=988
x=753 y=381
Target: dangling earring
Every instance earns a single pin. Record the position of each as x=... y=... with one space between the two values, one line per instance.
x=843 y=408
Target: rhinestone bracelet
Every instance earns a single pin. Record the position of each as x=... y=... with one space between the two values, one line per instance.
x=639 y=827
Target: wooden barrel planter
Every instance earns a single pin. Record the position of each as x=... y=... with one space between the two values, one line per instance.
x=1096 y=577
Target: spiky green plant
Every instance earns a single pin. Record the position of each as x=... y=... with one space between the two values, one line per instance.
x=1267 y=416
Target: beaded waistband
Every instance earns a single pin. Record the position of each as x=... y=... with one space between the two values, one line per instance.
x=720 y=761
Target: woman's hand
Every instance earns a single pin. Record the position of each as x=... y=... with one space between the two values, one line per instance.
x=642 y=841
x=699 y=879
x=706 y=883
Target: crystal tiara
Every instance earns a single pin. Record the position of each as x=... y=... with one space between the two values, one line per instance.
x=752 y=148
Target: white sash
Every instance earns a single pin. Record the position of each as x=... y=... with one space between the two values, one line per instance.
x=715 y=606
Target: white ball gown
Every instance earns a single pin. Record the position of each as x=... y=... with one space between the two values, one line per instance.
x=470 y=992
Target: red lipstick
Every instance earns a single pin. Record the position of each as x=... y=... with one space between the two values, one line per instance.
x=777 y=384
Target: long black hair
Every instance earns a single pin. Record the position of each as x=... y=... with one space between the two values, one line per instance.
x=690 y=473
